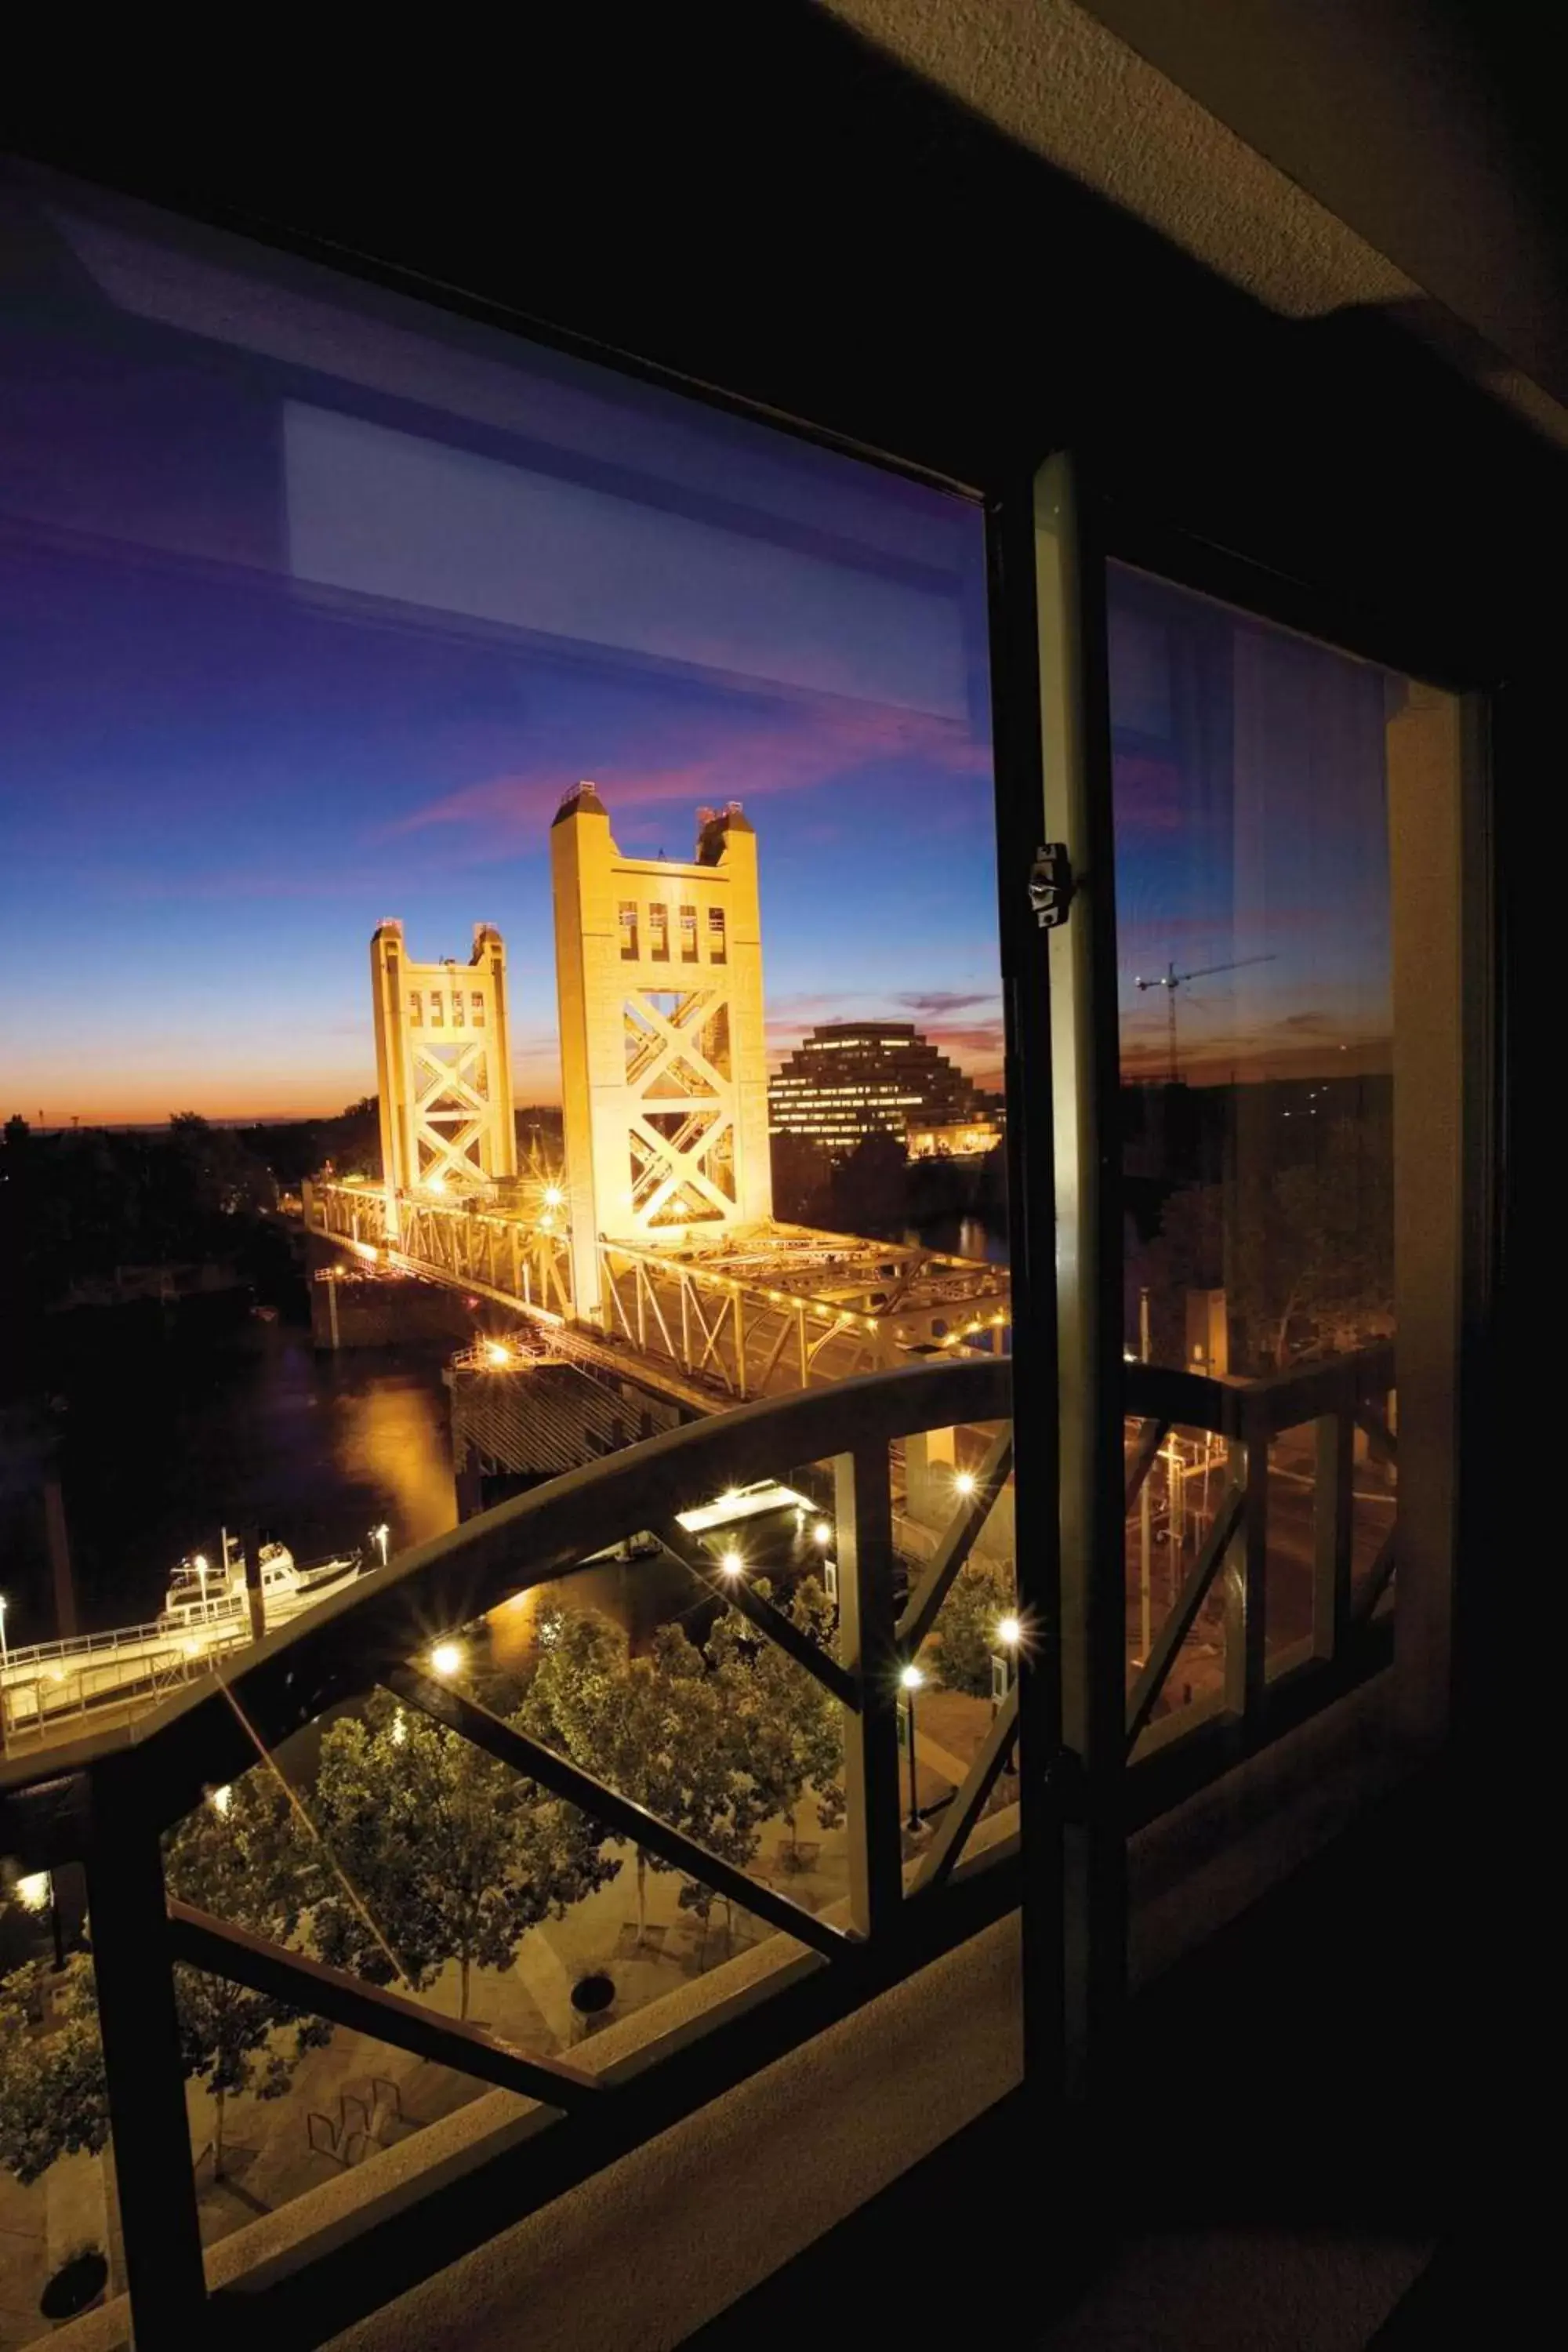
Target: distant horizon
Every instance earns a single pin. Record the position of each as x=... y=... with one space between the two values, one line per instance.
x=1130 y=1081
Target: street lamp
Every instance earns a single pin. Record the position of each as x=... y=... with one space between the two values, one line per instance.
x=909 y=1681
x=731 y=1565
x=1005 y=1658
x=37 y=1892
x=447 y=1658
x=822 y=1534
x=964 y=1482
x=379 y=1536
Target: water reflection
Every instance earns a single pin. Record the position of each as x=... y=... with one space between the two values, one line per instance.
x=168 y=1442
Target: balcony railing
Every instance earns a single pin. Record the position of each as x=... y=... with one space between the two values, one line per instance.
x=107 y=1803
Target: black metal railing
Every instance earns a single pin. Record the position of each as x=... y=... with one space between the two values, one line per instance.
x=107 y=1803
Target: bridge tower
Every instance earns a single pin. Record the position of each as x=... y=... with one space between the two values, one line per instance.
x=444 y=1068
x=659 y=971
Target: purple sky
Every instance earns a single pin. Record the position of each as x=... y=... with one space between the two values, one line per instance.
x=313 y=603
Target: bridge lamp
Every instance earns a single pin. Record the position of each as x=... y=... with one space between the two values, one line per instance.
x=221 y=1800
x=731 y=1565
x=33 y=1892
x=378 y=1537
x=554 y=1198
x=497 y=1353
x=964 y=1482
x=446 y=1659
x=1009 y=1631
x=822 y=1534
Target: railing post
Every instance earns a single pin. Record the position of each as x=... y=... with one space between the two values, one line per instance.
x=1334 y=1435
x=1246 y=1568
x=137 y=2020
x=863 y=1505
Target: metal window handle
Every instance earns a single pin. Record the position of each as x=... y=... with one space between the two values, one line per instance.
x=1051 y=884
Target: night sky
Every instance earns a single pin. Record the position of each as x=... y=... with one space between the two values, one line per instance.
x=312 y=604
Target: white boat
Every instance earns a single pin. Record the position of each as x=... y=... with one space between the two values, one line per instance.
x=742 y=1502
x=202 y=1593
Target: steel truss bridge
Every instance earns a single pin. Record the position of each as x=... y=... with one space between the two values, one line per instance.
x=764 y=1311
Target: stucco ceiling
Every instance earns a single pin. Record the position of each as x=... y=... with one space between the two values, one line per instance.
x=1054 y=78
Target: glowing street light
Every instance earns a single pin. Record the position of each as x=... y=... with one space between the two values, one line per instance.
x=554 y=1198
x=1009 y=1637
x=909 y=1681
x=497 y=1353
x=964 y=1482
x=380 y=1536
x=731 y=1565
x=446 y=1659
x=822 y=1534
x=36 y=1893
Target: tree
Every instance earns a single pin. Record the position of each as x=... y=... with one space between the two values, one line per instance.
x=964 y=1635
x=786 y=1728
x=451 y=1856
x=803 y=1175
x=53 y=2100
x=239 y=1857
x=236 y=1856
x=1304 y=1254
x=650 y=1727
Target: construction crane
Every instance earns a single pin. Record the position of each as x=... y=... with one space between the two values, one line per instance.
x=1170 y=980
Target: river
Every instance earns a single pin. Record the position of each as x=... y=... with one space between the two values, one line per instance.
x=170 y=1436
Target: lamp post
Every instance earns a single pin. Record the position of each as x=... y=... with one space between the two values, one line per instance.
x=378 y=1536
x=910 y=1680
x=1004 y=1659
x=37 y=1892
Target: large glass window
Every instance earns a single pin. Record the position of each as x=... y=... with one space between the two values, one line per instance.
x=1272 y=1004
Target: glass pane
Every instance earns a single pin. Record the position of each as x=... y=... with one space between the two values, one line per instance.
x=366 y=591
x=1253 y=771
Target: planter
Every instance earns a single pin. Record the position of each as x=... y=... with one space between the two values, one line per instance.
x=593 y=2000
x=75 y=2287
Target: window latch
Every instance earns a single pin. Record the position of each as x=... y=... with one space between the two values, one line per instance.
x=1051 y=885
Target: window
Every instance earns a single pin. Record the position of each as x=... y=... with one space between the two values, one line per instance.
x=477 y=1008
x=689 y=935
x=628 y=930
x=416 y=1008
x=457 y=1008
x=658 y=932
x=716 y=935
x=438 y=1013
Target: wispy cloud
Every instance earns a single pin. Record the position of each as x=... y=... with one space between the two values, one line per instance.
x=707 y=756
x=941 y=1003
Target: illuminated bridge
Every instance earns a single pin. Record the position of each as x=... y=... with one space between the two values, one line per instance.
x=655 y=1250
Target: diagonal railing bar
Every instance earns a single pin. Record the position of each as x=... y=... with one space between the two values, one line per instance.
x=1378 y=1580
x=620 y=1814
x=1379 y=1435
x=941 y=1857
x=226 y=1950
x=768 y=1620
x=1151 y=1435
x=1179 y=1624
x=963 y=1533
